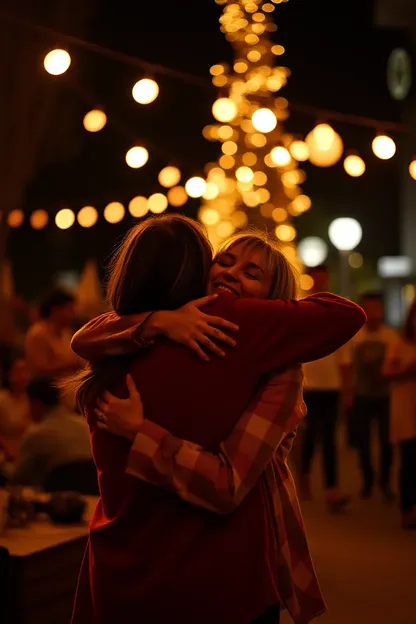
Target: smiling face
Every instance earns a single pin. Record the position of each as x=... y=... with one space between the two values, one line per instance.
x=242 y=271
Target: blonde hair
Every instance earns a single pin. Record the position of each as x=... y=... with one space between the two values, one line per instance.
x=284 y=276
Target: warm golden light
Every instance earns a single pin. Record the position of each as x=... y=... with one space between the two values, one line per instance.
x=229 y=148
x=412 y=169
x=324 y=136
x=57 y=62
x=384 y=147
x=258 y=140
x=39 y=219
x=244 y=174
x=219 y=81
x=301 y=203
x=138 y=207
x=209 y=216
x=217 y=70
x=254 y=56
x=264 y=195
x=227 y=162
x=114 y=212
x=137 y=157
x=325 y=146
x=169 y=176
x=278 y=50
x=225 y=132
x=268 y=7
x=95 y=120
x=225 y=229
x=64 y=219
x=354 y=166
x=299 y=150
x=15 y=218
x=249 y=159
x=279 y=215
x=224 y=110
x=260 y=178
x=240 y=67
x=87 y=216
x=157 y=203
x=145 y=91
x=306 y=282
x=196 y=187
x=264 y=120
x=239 y=218
x=212 y=191
x=285 y=233
x=177 y=196
x=280 y=156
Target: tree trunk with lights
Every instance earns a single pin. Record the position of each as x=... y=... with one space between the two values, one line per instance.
x=257 y=176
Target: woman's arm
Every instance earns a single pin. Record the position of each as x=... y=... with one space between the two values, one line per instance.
x=111 y=334
x=215 y=481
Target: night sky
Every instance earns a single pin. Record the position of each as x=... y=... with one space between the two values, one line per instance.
x=338 y=62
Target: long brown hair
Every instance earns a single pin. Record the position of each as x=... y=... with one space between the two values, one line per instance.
x=409 y=326
x=161 y=264
x=284 y=277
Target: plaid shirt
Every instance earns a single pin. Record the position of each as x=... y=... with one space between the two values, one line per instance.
x=257 y=447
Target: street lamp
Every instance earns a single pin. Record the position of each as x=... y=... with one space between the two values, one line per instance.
x=345 y=234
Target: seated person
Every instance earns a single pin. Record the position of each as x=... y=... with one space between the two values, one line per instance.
x=59 y=436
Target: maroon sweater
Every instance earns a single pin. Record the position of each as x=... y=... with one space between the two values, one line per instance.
x=152 y=558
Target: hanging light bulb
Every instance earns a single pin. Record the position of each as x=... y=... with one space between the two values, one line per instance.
x=354 y=166
x=95 y=120
x=325 y=146
x=384 y=147
x=264 y=120
x=145 y=91
x=57 y=62
x=114 y=212
x=87 y=216
x=299 y=150
x=412 y=169
x=65 y=218
x=196 y=187
x=137 y=157
x=280 y=156
x=169 y=176
x=224 y=110
x=39 y=219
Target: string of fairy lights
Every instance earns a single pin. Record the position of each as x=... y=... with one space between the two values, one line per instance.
x=259 y=162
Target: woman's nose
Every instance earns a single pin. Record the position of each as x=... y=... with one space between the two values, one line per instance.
x=231 y=274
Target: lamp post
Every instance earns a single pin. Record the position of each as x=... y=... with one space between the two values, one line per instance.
x=345 y=234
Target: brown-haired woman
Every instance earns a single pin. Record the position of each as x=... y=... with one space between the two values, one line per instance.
x=400 y=367
x=151 y=554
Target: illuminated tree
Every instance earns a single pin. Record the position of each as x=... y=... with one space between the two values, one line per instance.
x=257 y=178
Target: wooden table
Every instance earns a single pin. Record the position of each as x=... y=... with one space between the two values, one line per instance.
x=39 y=568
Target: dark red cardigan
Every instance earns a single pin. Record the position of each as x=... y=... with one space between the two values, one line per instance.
x=153 y=558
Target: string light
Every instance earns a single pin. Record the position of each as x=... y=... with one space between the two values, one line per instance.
x=299 y=150
x=57 y=62
x=177 y=196
x=224 y=110
x=87 y=216
x=157 y=203
x=145 y=91
x=95 y=120
x=412 y=169
x=138 y=207
x=354 y=166
x=64 y=219
x=384 y=147
x=195 y=187
x=169 y=177
x=280 y=156
x=39 y=219
x=137 y=157
x=264 y=120
x=114 y=212
x=15 y=218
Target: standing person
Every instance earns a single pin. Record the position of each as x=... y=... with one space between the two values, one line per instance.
x=206 y=576
x=48 y=341
x=14 y=404
x=323 y=383
x=369 y=392
x=400 y=368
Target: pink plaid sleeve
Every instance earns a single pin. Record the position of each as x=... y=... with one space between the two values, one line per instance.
x=220 y=481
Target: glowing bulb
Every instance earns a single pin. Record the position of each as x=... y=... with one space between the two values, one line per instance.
x=279 y=215
x=229 y=148
x=306 y=282
x=87 y=216
x=138 y=207
x=278 y=50
x=177 y=196
x=244 y=174
x=217 y=70
x=95 y=120
x=64 y=219
x=264 y=120
x=57 y=62
x=354 y=166
x=324 y=136
x=240 y=67
x=299 y=150
x=249 y=159
x=260 y=178
x=169 y=176
x=285 y=233
x=137 y=157
x=254 y=56
x=239 y=218
x=209 y=217
x=227 y=162
x=145 y=91
x=224 y=110
x=196 y=187
x=212 y=191
x=39 y=219
x=225 y=132
x=384 y=147
x=280 y=156
x=157 y=203
x=412 y=169
x=15 y=218
x=258 y=140
x=313 y=251
x=114 y=212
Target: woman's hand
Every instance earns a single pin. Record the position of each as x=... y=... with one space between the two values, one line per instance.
x=121 y=417
x=195 y=329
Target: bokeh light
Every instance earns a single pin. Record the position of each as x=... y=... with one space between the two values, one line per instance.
x=384 y=147
x=57 y=62
x=114 y=212
x=177 y=196
x=145 y=91
x=157 y=203
x=224 y=110
x=39 y=219
x=87 y=216
x=137 y=157
x=95 y=120
x=138 y=207
x=15 y=218
x=169 y=177
x=196 y=187
x=299 y=150
x=264 y=120
x=64 y=219
x=280 y=156
x=354 y=166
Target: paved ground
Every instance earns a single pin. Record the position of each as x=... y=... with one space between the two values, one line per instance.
x=366 y=563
